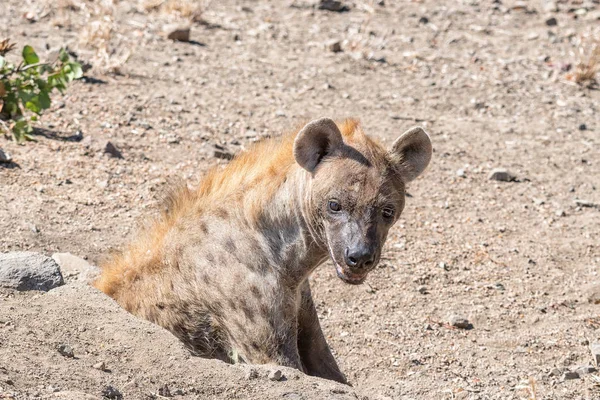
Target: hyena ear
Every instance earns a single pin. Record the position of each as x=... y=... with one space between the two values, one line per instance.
x=411 y=153
x=317 y=139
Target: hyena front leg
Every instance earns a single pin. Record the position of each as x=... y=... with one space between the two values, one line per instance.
x=312 y=346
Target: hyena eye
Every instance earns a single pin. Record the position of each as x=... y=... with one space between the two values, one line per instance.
x=335 y=206
x=388 y=212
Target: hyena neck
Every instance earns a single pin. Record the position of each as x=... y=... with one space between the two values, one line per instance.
x=294 y=237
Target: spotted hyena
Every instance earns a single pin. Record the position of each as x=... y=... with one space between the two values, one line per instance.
x=226 y=267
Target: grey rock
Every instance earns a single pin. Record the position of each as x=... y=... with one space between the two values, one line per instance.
x=29 y=271
x=75 y=268
x=177 y=33
x=422 y=289
x=585 y=203
x=502 y=175
x=100 y=366
x=460 y=322
x=334 y=46
x=585 y=369
x=5 y=157
x=66 y=351
x=582 y=127
x=332 y=5
x=111 y=150
x=275 y=375
x=551 y=21
x=460 y=173
x=111 y=392
x=164 y=391
x=595 y=349
x=555 y=372
x=570 y=375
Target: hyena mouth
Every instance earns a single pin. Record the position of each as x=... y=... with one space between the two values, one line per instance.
x=349 y=277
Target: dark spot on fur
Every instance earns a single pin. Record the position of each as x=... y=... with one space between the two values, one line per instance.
x=210 y=258
x=203 y=227
x=255 y=292
x=160 y=306
x=248 y=313
x=221 y=213
x=230 y=245
x=255 y=346
x=206 y=278
x=232 y=304
x=264 y=311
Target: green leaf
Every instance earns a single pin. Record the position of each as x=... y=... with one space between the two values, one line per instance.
x=29 y=55
x=63 y=56
x=76 y=69
x=45 y=101
x=2 y=62
x=22 y=130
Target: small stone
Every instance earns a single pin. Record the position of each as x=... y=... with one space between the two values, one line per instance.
x=110 y=392
x=5 y=157
x=461 y=173
x=551 y=21
x=334 y=46
x=423 y=20
x=570 y=375
x=164 y=391
x=251 y=374
x=222 y=154
x=585 y=369
x=460 y=322
x=501 y=175
x=422 y=289
x=595 y=349
x=332 y=5
x=29 y=271
x=65 y=350
x=111 y=150
x=582 y=127
x=100 y=366
x=275 y=375
x=555 y=372
x=560 y=213
x=585 y=203
x=177 y=33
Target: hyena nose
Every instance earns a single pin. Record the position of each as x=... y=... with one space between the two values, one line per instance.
x=359 y=257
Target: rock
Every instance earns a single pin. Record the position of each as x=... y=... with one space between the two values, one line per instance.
x=593 y=293
x=460 y=322
x=222 y=154
x=110 y=392
x=422 y=289
x=461 y=173
x=585 y=369
x=551 y=21
x=570 y=375
x=74 y=267
x=585 y=203
x=177 y=33
x=100 y=366
x=582 y=127
x=65 y=350
x=502 y=175
x=251 y=374
x=111 y=150
x=595 y=349
x=334 y=46
x=164 y=391
x=275 y=375
x=555 y=372
x=332 y=5
x=5 y=157
x=29 y=271
x=560 y=213
x=423 y=20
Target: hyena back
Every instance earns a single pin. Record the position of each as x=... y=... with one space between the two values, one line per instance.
x=226 y=267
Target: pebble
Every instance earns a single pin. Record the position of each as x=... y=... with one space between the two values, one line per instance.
x=595 y=349
x=251 y=374
x=5 y=157
x=222 y=154
x=570 y=375
x=460 y=322
x=585 y=369
x=422 y=289
x=423 y=20
x=164 y=391
x=501 y=175
x=333 y=5
x=585 y=203
x=110 y=392
x=560 y=213
x=555 y=372
x=275 y=375
x=461 y=173
x=177 y=33
x=582 y=127
x=111 y=150
x=334 y=46
x=65 y=350
x=100 y=366
x=29 y=271
x=551 y=21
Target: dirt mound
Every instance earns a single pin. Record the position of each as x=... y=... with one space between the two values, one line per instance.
x=75 y=343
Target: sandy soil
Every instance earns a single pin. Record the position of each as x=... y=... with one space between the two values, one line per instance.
x=488 y=80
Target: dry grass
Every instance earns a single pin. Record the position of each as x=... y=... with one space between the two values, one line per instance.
x=189 y=9
x=588 y=66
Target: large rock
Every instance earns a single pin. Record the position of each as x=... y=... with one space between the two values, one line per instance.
x=29 y=271
x=74 y=268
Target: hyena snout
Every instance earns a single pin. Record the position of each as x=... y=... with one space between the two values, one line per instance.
x=360 y=257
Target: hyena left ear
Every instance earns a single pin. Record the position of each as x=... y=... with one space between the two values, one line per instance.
x=411 y=153
x=316 y=140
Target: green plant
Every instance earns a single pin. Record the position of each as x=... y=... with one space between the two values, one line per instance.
x=25 y=88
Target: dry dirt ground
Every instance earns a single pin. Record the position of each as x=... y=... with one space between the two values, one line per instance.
x=488 y=80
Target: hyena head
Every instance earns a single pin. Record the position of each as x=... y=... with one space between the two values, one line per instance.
x=356 y=189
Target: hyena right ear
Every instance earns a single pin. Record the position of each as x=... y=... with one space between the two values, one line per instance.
x=410 y=154
x=317 y=139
